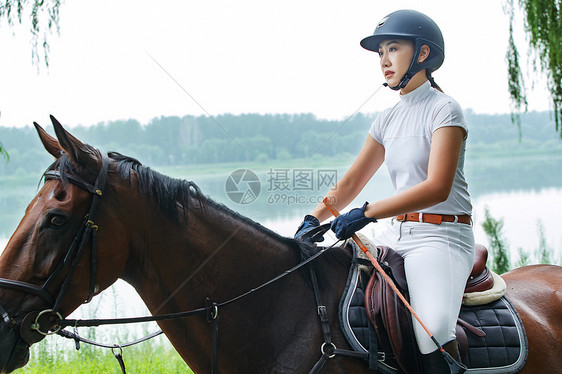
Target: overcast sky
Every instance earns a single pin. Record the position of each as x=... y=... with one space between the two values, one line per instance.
x=142 y=59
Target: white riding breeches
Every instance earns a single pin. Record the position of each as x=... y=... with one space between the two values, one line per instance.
x=438 y=260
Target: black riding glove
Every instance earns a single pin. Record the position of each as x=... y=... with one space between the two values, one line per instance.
x=346 y=224
x=310 y=222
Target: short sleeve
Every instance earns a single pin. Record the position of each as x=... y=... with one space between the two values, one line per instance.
x=376 y=130
x=449 y=113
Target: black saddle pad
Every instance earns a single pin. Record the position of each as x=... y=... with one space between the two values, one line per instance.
x=503 y=350
x=504 y=347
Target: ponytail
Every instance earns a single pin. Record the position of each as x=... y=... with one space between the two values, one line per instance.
x=432 y=81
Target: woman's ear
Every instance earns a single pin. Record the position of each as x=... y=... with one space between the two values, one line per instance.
x=424 y=53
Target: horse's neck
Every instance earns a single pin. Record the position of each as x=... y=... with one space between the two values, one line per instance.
x=216 y=255
x=219 y=256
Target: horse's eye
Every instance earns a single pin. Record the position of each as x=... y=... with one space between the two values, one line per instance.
x=57 y=221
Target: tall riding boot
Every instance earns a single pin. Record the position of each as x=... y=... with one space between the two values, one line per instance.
x=434 y=362
x=453 y=348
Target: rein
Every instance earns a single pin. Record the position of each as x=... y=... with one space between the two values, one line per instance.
x=211 y=310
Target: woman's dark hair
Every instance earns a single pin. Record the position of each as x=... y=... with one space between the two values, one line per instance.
x=432 y=81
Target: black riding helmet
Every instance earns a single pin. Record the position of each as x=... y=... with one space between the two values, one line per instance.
x=414 y=26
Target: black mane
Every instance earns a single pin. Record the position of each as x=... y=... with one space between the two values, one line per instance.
x=168 y=192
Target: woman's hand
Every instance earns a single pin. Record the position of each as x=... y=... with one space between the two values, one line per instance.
x=309 y=223
x=345 y=225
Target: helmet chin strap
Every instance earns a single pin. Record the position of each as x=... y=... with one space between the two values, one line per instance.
x=403 y=82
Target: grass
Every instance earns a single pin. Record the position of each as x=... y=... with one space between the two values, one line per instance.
x=56 y=354
x=50 y=356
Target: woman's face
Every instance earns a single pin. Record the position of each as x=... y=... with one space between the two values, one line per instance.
x=396 y=56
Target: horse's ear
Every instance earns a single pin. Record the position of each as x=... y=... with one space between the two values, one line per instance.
x=75 y=149
x=51 y=144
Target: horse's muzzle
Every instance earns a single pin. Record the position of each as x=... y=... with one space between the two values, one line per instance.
x=14 y=352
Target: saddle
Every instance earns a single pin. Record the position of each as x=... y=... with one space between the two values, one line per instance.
x=480 y=278
x=491 y=336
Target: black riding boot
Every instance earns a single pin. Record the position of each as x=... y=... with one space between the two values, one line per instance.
x=434 y=362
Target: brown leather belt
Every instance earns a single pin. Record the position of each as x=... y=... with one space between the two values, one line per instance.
x=434 y=218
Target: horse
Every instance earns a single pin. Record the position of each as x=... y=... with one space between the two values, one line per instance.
x=179 y=249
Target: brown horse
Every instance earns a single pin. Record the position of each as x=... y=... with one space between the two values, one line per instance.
x=178 y=248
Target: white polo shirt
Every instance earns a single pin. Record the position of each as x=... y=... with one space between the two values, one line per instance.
x=405 y=132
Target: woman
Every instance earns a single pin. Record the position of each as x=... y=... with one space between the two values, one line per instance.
x=422 y=139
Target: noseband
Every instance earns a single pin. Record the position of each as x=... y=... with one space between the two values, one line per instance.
x=73 y=254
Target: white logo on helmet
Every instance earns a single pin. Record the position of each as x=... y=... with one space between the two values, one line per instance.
x=382 y=22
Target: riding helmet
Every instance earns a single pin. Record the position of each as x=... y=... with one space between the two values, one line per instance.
x=417 y=27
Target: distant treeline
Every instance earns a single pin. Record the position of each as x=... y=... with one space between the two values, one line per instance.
x=254 y=137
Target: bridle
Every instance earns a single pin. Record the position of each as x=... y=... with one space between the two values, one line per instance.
x=41 y=322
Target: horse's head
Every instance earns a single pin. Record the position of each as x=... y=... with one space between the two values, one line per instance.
x=49 y=266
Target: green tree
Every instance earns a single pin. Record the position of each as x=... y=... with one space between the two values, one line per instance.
x=542 y=21
x=3 y=152
x=544 y=252
x=524 y=259
x=43 y=16
x=499 y=251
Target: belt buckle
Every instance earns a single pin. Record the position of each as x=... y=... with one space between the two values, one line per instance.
x=402 y=217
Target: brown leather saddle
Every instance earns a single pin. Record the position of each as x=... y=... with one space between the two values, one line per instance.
x=480 y=278
x=393 y=322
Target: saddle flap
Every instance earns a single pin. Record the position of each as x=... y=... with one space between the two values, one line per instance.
x=393 y=265
x=391 y=319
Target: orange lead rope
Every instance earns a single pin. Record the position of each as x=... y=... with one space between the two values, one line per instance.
x=456 y=368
